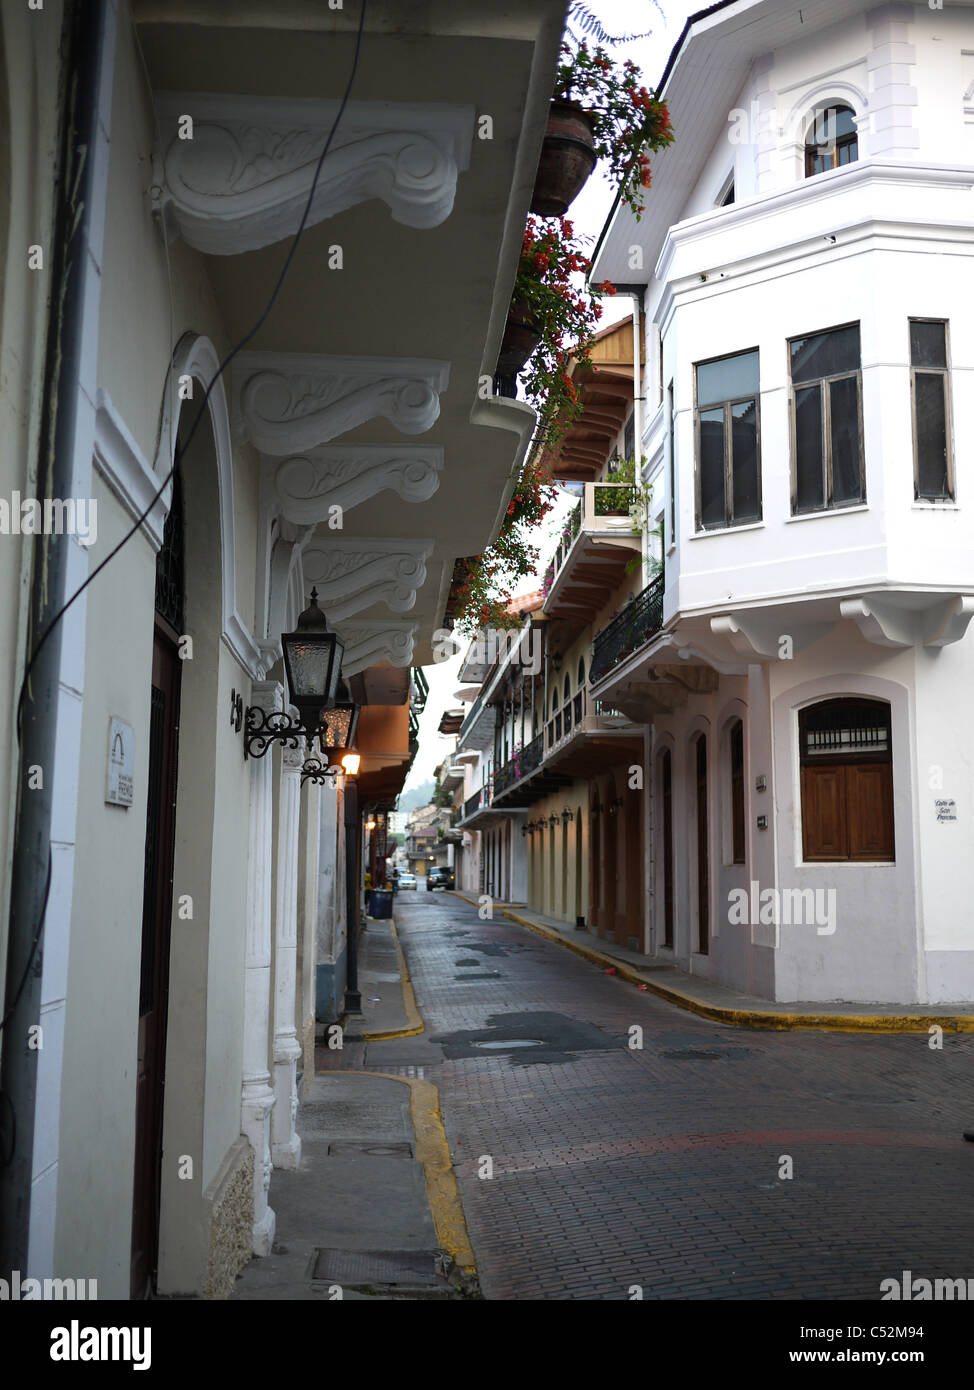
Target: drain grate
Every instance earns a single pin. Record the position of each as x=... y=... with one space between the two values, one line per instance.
x=699 y=1054
x=506 y=1044
x=479 y=975
x=414 y=1269
x=377 y=1150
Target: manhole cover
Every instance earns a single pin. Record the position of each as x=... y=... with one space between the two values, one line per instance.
x=506 y=1044
x=347 y=1146
x=392 y=1268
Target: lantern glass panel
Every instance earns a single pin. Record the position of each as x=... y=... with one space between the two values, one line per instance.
x=336 y=725
x=313 y=663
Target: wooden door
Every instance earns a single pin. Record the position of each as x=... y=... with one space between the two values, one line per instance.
x=667 y=779
x=703 y=856
x=154 y=988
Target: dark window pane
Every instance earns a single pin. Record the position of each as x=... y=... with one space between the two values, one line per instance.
x=728 y=379
x=931 y=416
x=846 y=472
x=928 y=344
x=712 y=512
x=810 y=491
x=728 y=197
x=831 y=124
x=744 y=460
x=848 y=153
x=825 y=354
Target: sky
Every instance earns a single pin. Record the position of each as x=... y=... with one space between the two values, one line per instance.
x=588 y=213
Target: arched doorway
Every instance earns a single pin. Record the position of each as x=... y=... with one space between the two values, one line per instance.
x=160 y=832
x=665 y=785
x=702 y=817
x=610 y=883
x=632 y=813
x=579 y=899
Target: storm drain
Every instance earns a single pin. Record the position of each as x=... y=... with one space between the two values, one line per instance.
x=378 y=1269
x=479 y=975
x=396 y=1150
x=506 y=1044
x=699 y=1054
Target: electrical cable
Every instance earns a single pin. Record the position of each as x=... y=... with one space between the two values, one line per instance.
x=178 y=452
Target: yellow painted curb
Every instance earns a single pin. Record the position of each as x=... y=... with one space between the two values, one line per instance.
x=416 y=1024
x=752 y=1018
x=433 y=1152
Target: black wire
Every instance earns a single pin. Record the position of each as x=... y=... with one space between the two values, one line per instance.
x=177 y=455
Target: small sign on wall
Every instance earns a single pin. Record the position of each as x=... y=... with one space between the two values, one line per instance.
x=946 y=810
x=120 y=783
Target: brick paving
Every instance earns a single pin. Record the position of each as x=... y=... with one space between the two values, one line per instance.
x=658 y=1166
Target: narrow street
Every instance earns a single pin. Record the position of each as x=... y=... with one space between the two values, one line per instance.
x=663 y=1166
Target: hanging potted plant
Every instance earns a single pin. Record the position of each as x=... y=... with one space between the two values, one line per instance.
x=599 y=111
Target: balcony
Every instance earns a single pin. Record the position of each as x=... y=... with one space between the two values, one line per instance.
x=599 y=544
x=637 y=624
x=524 y=777
x=475 y=811
x=588 y=735
x=477 y=729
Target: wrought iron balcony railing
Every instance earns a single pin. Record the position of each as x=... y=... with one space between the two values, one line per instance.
x=476 y=802
x=520 y=764
x=629 y=630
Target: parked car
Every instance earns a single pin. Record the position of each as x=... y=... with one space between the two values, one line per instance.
x=407 y=881
x=439 y=877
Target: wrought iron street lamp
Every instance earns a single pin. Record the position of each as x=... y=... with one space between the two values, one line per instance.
x=312 y=664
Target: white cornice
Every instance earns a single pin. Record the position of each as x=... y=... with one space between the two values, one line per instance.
x=287 y=403
x=957 y=177
x=242 y=180
x=352 y=574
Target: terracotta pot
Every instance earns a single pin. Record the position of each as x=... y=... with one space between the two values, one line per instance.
x=567 y=159
x=521 y=336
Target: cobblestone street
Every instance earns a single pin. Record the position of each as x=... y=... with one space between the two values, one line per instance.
x=661 y=1166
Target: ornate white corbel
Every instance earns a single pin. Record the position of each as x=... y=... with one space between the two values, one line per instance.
x=760 y=637
x=369 y=642
x=949 y=621
x=235 y=172
x=353 y=574
x=287 y=402
x=307 y=486
x=881 y=623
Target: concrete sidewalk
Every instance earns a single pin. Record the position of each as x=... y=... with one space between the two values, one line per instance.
x=373 y=1210
x=724 y=1005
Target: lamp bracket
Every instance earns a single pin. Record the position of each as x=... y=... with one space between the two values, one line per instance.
x=316 y=771
x=263 y=728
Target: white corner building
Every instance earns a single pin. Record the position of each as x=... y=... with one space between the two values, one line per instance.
x=806 y=253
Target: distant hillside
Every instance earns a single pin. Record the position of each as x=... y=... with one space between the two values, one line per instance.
x=417 y=796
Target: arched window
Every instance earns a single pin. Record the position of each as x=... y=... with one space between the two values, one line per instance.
x=581 y=672
x=832 y=139
x=568 y=690
x=846 y=756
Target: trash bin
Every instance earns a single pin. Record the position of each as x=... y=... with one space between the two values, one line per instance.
x=381 y=903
